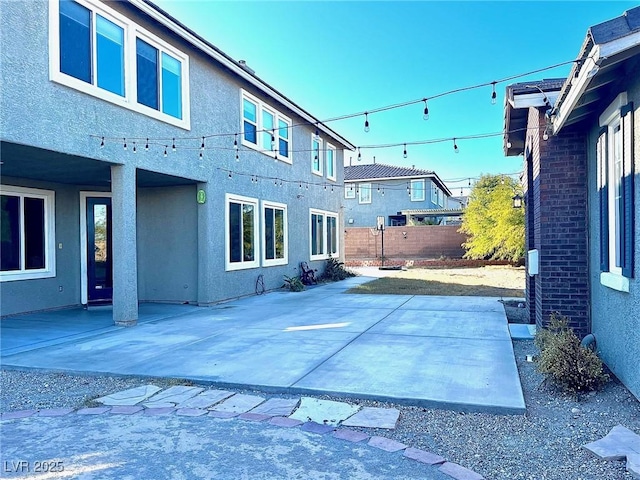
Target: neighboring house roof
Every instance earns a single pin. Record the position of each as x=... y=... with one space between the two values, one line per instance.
x=435 y=212
x=600 y=63
x=381 y=171
x=236 y=67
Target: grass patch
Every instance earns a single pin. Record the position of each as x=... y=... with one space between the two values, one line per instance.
x=409 y=286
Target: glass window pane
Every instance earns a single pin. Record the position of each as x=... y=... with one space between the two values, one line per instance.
x=248 y=230
x=316 y=156
x=283 y=129
x=267 y=124
x=10 y=233
x=332 y=235
x=249 y=110
x=110 y=53
x=171 y=86
x=317 y=234
x=235 y=233
x=279 y=229
x=75 y=40
x=250 y=134
x=269 y=234
x=147 y=71
x=34 y=233
x=283 y=148
x=330 y=164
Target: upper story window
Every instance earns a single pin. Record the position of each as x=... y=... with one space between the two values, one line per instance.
x=331 y=162
x=434 y=194
x=349 y=191
x=99 y=51
x=27 y=248
x=316 y=155
x=264 y=128
x=365 y=193
x=417 y=191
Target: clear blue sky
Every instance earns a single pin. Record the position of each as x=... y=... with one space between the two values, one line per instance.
x=335 y=58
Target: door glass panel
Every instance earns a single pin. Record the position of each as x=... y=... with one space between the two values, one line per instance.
x=101 y=250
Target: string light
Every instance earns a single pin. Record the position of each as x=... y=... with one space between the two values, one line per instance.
x=235 y=142
x=404 y=153
x=455 y=146
x=173 y=146
x=165 y=151
x=102 y=143
x=359 y=154
x=134 y=147
x=237 y=156
x=383 y=191
x=200 y=155
x=230 y=176
x=202 y=145
x=425 y=115
x=366 y=122
x=493 y=94
x=146 y=146
x=125 y=143
x=316 y=136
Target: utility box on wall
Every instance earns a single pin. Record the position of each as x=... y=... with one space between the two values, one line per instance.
x=533 y=262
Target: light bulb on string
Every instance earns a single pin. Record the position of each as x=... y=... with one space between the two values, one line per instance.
x=469 y=181
x=316 y=136
x=134 y=147
x=359 y=154
x=455 y=146
x=425 y=114
x=173 y=146
x=235 y=142
x=366 y=122
x=404 y=153
x=494 y=96
x=200 y=155
x=230 y=176
x=165 y=151
x=331 y=188
x=273 y=140
x=237 y=156
x=146 y=146
x=383 y=191
x=202 y=145
x=125 y=143
x=102 y=143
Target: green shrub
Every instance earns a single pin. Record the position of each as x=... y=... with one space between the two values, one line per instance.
x=294 y=284
x=564 y=361
x=335 y=271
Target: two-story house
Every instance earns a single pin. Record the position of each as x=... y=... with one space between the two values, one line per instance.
x=142 y=164
x=402 y=195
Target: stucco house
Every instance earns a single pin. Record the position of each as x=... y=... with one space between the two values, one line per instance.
x=142 y=164
x=402 y=195
x=581 y=149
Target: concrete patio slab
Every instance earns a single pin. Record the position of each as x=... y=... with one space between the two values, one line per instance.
x=452 y=352
x=324 y=412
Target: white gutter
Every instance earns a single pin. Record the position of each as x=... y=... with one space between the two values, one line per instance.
x=237 y=69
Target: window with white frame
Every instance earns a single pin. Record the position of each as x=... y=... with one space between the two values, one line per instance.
x=331 y=162
x=417 y=191
x=264 y=128
x=99 y=51
x=241 y=234
x=316 y=155
x=614 y=153
x=274 y=235
x=27 y=241
x=434 y=194
x=323 y=234
x=441 y=197
x=349 y=191
x=365 y=193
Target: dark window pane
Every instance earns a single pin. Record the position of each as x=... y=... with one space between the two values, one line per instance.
x=75 y=40
x=279 y=233
x=235 y=233
x=171 y=86
x=10 y=235
x=147 y=71
x=283 y=148
x=332 y=235
x=34 y=233
x=250 y=132
x=247 y=229
x=269 y=234
x=110 y=53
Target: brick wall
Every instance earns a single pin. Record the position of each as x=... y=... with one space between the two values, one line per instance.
x=420 y=242
x=557 y=213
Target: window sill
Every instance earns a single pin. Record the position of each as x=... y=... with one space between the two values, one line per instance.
x=274 y=263
x=241 y=266
x=614 y=281
x=12 y=277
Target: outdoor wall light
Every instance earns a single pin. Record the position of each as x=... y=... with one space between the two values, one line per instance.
x=517 y=200
x=404 y=235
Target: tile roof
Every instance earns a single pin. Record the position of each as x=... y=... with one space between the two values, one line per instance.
x=546 y=85
x=380 y=170
x=626 y=24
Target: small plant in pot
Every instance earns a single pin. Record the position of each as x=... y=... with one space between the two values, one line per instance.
x=294 y=284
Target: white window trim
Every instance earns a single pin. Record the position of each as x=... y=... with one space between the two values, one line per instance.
x=365 y=187
x=229 y=266
x=614 y=281
x=260 y=107
x=414 y=197
x=349 y=191
x=131 y=32
x=325 y=214
x=278 y=261
x=331 y=148
x=434 y=193
x=49 y=269
x=318 y=171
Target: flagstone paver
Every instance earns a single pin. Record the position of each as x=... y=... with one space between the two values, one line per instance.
x=216 y=414
x=254 y=417
x=284 y=422
x=93 y=411
x=159 y=411
x=18 y=414
x=131 y=396
x=206 y=399
x=172 y=396
x=238 y=403
x=350 y=435
x=319 y=428
x=191 y=412
x=326 y=412
x=386 y=444
x=55 y=412
x=277 y=407
x=633 y=465
x=374 y=417
x=125 y=409
x=616 y=445
x=459 y=472
x=423 y=456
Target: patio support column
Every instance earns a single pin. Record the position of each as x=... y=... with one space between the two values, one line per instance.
x=207 y=218
x=125 y=261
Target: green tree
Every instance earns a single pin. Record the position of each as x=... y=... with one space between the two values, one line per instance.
x=495 y=229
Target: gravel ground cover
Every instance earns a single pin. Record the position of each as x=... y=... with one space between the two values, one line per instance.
x=544 y=444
